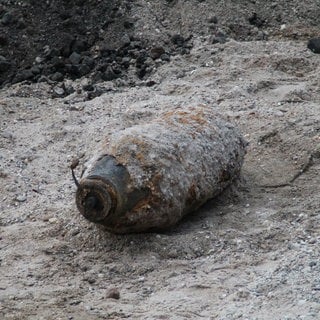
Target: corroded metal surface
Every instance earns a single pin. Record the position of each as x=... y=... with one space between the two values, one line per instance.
x=149 y=176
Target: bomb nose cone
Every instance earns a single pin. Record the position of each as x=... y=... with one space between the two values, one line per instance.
x=91 y=203
x=94 y=208
x=95 y=199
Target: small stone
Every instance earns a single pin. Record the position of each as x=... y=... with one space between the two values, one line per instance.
x=75 y=232
x=314 y=45
x=53 y=220
x=128 y=24
x=282 y=27
x=255 y=20
x=262 y=35
x=68 y=88
x=42 y=79
x=126 y=62
x=312 y=241
x=312 y=263
x=83 y=69
x=51 y=53
x=88 y=61
x=90 y=279
x=178 y=40
x=58 y=91
x=165 y=57
x=113 y=293
x=213 y=19
x=38 y=59
x=75 y=58
x=88 y=87
x=124 y=40
x=57 y=76
x=95 y=93
x=58 y=62
x=218 y=37
x=46 y=218
x=150 y=83
x=109 y=74
x=156 y=52
x=7 y=19
x=35 y=70
x=66 y=40
x=21 y=198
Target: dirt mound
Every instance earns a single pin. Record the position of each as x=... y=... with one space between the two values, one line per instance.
x=107 y=40
x=54 y=40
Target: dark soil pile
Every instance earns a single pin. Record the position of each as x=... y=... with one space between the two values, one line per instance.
x=53 y=40
x=58 y=39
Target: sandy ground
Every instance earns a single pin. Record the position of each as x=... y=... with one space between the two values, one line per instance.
x=252 y=253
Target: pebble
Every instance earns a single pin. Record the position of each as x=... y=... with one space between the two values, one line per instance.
x=178 y=40
x=113 y=293
x=88 y=61
x=156 y=52
x=58 y=91
x=57 y=62
x=165 y=57
x=218 y=37
x=314 y=45
x=57 y=76
x=88 y=87
x=38 y=59
x=312 y=241
x=255 y=20
x=90 y=279
x=45 y=218
x=53 y=220
x=75 y=58
x=83 y=69
x=7 y=19
x=35 y=70
x=213 y=19
x=109 y=74
x=312 y=263
x=21 y=198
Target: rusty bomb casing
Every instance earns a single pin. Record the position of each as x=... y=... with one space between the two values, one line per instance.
x=149 y=176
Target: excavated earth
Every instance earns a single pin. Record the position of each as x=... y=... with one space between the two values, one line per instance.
x=73 y=72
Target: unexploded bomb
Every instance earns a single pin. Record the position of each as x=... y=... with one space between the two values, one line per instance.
x=149 y=176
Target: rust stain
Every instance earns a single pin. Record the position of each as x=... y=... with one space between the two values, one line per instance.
x=185 y=117
x=139 y=154
x=191 y=196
